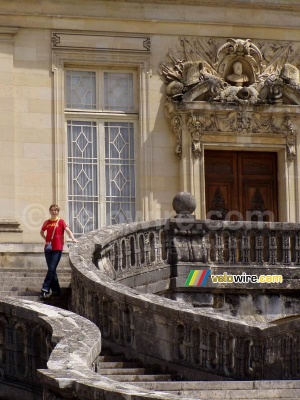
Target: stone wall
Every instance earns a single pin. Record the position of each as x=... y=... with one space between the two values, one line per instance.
x=167 y=331
x=49 y=353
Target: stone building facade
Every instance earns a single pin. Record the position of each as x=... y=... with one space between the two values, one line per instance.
x=109 y=108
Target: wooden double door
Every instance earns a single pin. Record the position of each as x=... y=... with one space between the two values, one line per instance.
x=241 y=185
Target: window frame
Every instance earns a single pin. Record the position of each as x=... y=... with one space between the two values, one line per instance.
x=63 y=59
x=100 y=127
x=100 y=70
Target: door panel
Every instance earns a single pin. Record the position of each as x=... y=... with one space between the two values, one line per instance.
x=241 y=183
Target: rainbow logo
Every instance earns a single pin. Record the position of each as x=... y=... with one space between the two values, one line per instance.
x=197 y=277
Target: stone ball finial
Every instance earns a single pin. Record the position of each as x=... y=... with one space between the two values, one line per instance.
x=184 y=203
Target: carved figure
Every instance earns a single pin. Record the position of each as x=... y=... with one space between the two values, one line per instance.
x=290 y=74
x=238 y=78
x=266 y=72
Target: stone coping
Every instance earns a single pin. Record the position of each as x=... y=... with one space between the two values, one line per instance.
x=77 y=344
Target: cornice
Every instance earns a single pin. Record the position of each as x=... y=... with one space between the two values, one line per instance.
x=267 y=4
x=7 y=33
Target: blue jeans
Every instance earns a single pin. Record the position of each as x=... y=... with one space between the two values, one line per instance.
x=51 y=279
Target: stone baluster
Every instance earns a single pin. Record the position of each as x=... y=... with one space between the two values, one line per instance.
x=128 y=253
x=286 y=251
x=259 y=249
x=206 y=246
x=205 y=360
x=180 y=342
x=297 y=248
x=232 y=249
x=138 y=250
x=272 y=249
x=147 y=248
x=219 y=248
x=188 y=344
x=245 y=249
x=158 y=247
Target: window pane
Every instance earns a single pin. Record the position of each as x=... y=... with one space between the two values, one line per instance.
x=119 y=172
x=82 y=176
x=81 y=90
x=118 y=91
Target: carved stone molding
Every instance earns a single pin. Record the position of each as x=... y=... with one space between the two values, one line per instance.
x=243 y=122
x=100 y=41
x=196 y=128
x=177 y=128
x=239 y=122
x=233 y=87
x=290 y=134
x=9 y=225
x=237 y=71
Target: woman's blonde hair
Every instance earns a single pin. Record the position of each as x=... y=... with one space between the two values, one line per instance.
x=54 y=206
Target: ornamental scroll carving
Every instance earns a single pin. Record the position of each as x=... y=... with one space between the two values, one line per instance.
x=239 y=123
x=237 y=71
x=177 y=127
x=233 y=86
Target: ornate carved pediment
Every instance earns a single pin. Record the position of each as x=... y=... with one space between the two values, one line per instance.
x=235 y=87
x=238 y=71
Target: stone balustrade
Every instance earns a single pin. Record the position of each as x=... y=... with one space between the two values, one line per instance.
x=49 y=353
x=112 y=269
x=206 y=241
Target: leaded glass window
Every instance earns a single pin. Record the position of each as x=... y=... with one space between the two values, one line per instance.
x=82 y=176
x=119 y=172
x=118 y=91
x=101 y=157
x=81 y=90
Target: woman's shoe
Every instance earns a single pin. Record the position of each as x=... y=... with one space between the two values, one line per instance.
x=44 y=294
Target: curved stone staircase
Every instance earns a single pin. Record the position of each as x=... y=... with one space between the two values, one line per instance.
x=118 y=368
x=25 y=283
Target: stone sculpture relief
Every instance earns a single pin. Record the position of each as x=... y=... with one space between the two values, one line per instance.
x=238 y=71
x=250 y=79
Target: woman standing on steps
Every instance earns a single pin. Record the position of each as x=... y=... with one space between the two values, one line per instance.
x=52 y=232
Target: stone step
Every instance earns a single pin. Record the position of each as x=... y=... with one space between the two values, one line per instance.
x=239 y=394
x=31 y=277
x=25 y=290
x=138 y=378
x=109 y=358
x=29 y=281
x=62 y=301
x=231 y=385
x=56 y=302
x=32 y=293
x=238 y=390
x=31 y=269
x=120 y=371
x=117 y=364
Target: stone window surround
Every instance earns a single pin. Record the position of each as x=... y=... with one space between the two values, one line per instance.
x=100 y=115
x=75 y=58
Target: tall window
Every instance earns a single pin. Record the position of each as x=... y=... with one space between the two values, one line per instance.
x=101 y=114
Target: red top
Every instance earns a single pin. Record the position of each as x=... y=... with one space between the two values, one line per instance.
x=58 y=239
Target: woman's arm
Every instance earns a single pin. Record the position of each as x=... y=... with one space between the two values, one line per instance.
x=70 y=234
x=42 y=233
